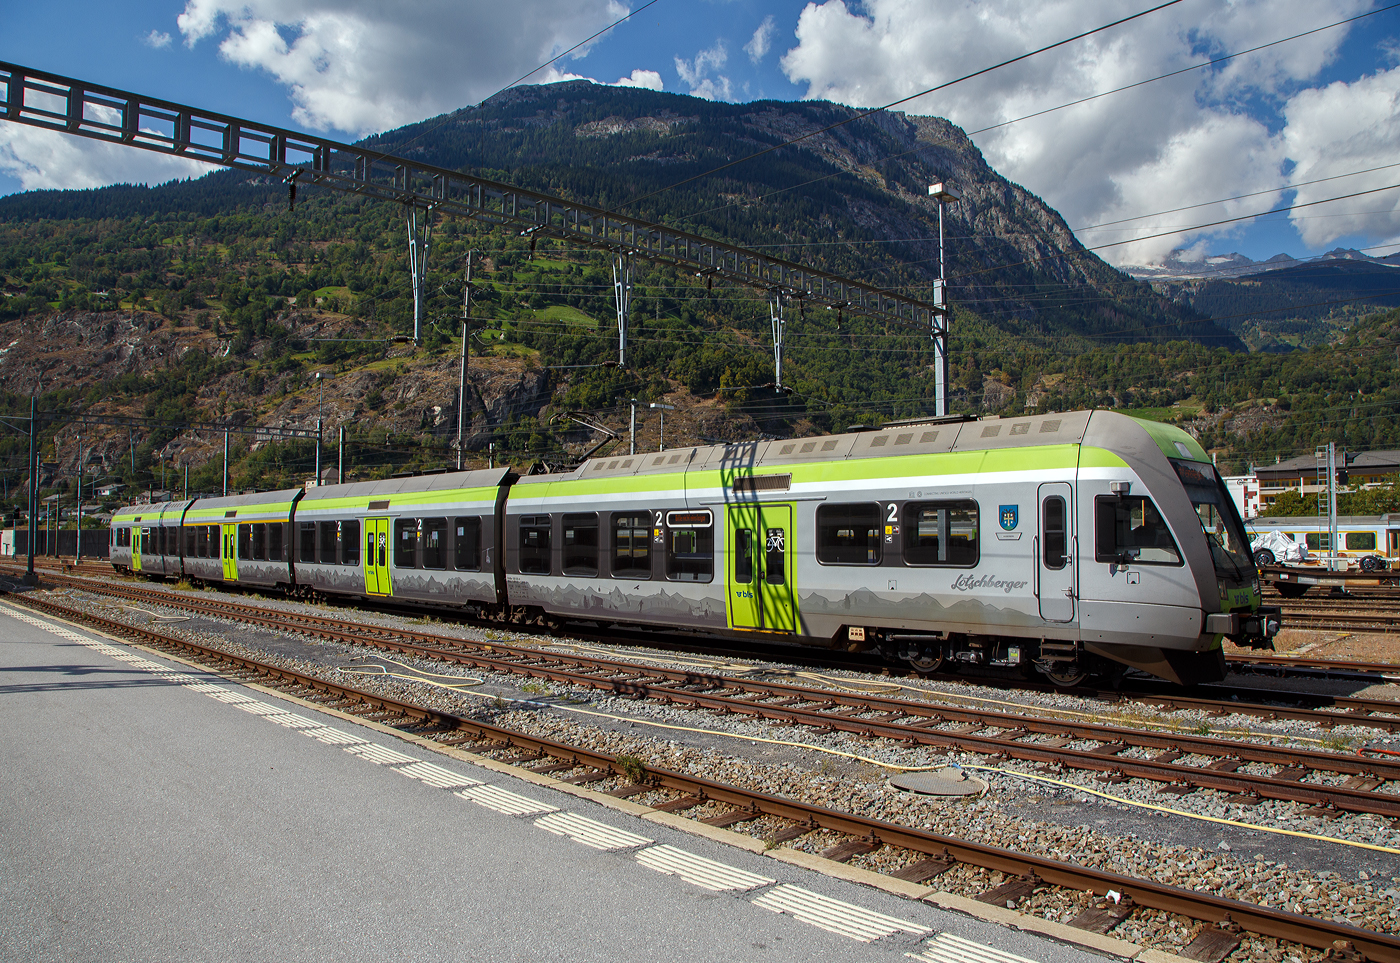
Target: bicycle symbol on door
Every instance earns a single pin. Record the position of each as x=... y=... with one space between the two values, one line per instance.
x=776 y=540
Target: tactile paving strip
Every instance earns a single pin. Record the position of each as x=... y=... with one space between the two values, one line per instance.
x=699 y=871
x=590 y=833
x=505 y=801
x=833 y=915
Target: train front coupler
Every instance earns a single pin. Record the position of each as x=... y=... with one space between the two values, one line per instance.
x=1252 y=630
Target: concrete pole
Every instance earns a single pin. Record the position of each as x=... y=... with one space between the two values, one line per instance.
x=340 y=464
x=78 y=551
x=29 y=577
x=226 y=462
x=632 y=444
x=462 y=380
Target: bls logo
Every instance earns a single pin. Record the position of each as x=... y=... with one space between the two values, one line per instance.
x=1009 y=516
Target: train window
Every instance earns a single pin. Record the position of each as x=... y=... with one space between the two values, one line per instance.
x=1130 y=526
x=434 y=543
x=405 y=541
x=743 y=556
x=260 y=541
x=1319 y=541
x=350 y=542
x=330 y=542
x=534 y=544
x=690 y=546
x=849 y=534
x=190 y=540
x=274 y=542
x=245 y=541
x=201 y=541
x=306 y=541
x=775 y=556
x=466 y=543
x=940 y=533
x=214 y=541
x=631 y=547
x=1053 y=523
x=1220 y=520
x=1361 y=541
x=581 y=544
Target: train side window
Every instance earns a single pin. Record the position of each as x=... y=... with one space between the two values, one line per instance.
x=631 y=546
x=306 y=542
x=743 y=556
x=201 y=541
x=260 y=541
x=350 y=542
x=245 y=541
x=466 y=543
x=1131 y=526
x=534 y=544
x=940 y=533
x=1054 y=551
x=1319 y=541
x=214 y=549
x=690 y=546
x=189 y=541
x=434 y=543
x=405 y=541
x=849 y=534
x=274 y=542
x=580 y=548
x=330 y=542
x=1361 y=541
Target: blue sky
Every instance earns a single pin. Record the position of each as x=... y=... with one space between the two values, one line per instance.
x=1321 y=106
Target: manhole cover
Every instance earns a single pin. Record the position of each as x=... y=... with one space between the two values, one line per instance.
x=942 y=782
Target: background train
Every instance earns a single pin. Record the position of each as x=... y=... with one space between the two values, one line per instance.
x=1078 y=543
x=1372 y=542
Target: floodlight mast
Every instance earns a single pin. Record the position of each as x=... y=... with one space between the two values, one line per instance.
x=939 y=321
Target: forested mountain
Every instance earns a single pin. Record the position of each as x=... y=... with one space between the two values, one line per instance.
x=1294 y=307
x=212 y=301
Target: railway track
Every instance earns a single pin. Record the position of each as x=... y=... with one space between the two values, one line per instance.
x=1178 y=761
x=931 y=854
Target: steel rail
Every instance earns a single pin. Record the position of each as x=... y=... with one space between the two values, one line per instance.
x=626 y=679
x=1358 y=711
x=50 y=101
x=1262 y=920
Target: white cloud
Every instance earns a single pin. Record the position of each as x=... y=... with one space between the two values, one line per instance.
x=761 y=40
x=695 y=73
x=45 y=160
x=648 y=79
x=156 y=39
x=1202 y=135
x=368 y=65
x=1337 y=129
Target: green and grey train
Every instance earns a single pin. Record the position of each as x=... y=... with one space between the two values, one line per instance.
x=1077 y=544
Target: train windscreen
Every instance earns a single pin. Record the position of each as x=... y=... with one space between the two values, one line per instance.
x=1220 y=520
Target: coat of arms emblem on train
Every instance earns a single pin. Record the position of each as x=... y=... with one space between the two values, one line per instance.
x=1009 y=516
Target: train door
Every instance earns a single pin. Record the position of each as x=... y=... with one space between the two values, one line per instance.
x=229 y=553
x=1392 y=543
x=377 y=581
x=136 y=548
x=1054 y=544
x=760 y=568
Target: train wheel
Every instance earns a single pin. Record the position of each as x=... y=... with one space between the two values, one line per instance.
x=928 y=662
x=1066 y=675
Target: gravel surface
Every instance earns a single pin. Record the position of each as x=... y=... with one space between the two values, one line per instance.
x=1020 y=811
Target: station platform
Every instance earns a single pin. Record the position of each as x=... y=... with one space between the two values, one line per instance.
x=154 y=811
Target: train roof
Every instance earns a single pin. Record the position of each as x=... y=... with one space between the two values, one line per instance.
x=151 y=511
x=447 y=481
x=1109 y=429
